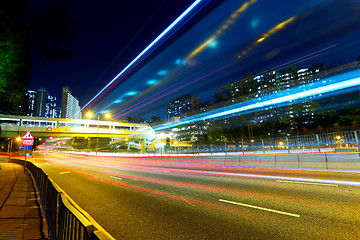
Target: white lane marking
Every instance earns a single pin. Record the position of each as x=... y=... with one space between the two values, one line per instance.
x=309 y=183
x=261 y=208
x=64 y=172
x=119 y=178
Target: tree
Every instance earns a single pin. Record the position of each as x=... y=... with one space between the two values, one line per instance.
x=15 y=64
x=167 y=145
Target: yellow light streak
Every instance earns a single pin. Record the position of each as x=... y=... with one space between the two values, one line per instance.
x=228 y=22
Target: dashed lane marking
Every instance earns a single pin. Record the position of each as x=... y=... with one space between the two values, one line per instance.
x=261 y=208
x=119 y=178
x=309 y=183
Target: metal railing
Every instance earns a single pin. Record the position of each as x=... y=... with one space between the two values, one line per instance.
x=65 y=221
x=325 y=142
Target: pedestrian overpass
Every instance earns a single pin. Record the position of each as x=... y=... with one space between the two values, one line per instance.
x=15 y=126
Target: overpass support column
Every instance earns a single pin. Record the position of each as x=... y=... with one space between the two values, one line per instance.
x=143 y=146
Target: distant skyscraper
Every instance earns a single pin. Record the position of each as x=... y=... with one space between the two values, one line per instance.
x=29 y=105
x=70 y=107
x=40 y=103
x=182 y=106
x=57 y=112
x=50 y=108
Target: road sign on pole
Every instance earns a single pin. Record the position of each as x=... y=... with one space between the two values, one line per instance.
x=26 y=147
x=27 y=139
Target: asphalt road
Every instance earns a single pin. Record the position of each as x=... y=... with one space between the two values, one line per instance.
x=178 y=198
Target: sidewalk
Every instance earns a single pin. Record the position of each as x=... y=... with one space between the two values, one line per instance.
x=20 y=215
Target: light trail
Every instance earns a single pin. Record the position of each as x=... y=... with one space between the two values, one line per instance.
x=164 y=194
x=152 y=46
x=205 y=172
x=176 y=89
x=159 y=92
x=220 y=31
x=121 y=177
x=315 y=90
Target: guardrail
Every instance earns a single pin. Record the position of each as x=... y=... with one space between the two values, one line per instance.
x=65 y=218
x=338 y=141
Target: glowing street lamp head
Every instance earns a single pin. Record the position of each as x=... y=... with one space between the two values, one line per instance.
x=89 y=114
x=107 y=115
x=18 y=139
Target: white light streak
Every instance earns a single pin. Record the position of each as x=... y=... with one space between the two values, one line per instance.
x=162 y=35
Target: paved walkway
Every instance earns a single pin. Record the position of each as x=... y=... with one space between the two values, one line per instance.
x=20 y=215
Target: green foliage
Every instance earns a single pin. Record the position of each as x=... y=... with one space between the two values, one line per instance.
x=15 y=65
x=167 y=145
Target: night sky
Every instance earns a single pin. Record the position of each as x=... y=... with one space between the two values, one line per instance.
x=109 y=34
x=236 y=38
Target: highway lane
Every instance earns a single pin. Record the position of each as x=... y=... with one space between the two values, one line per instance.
x=150 y=198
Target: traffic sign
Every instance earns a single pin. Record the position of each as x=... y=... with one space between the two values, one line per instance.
x=23 y=147
x=27 y=139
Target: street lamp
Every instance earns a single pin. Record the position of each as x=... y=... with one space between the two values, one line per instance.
x=89 y=114
x=18 y=139
x=107 y=116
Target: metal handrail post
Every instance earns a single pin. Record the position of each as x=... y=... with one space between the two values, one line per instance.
x=357 y=141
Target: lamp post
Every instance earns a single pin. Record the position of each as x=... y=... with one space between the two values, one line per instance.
x=97 y=134
x=10 y=145
x=107 y=116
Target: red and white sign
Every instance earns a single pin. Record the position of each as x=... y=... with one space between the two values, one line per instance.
x=27 y=139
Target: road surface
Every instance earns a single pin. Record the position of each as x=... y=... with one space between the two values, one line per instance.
x=178 y=198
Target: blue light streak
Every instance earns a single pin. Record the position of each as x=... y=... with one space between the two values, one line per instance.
x=118 y=101
x=163 y=72
x=131 y=93
x=291 y=96
x=146 y=50
x=152 y=82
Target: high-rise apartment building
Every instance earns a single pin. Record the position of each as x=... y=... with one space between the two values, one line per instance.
x=30 y=103
x=272 y=82
x=40 y=104
x=51 y=111
x=70 y=107
x=182 y=106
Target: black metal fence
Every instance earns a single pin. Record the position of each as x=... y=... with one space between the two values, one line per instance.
x=335 y=141
x=64 y=219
